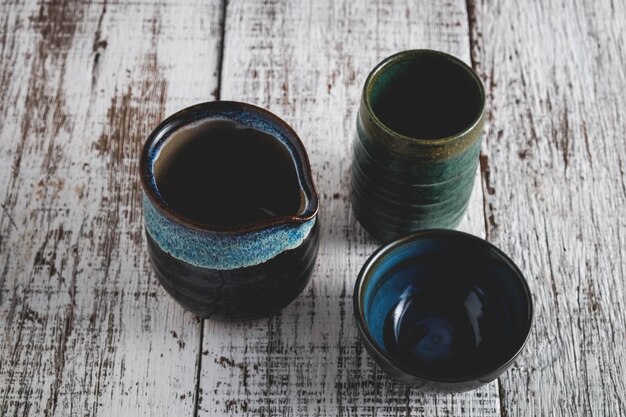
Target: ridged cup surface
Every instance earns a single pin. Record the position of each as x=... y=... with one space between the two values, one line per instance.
x=402 y=183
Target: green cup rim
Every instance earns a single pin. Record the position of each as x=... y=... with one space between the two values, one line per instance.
x=412 y=54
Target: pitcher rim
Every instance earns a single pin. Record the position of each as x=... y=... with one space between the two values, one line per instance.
x=193 y=114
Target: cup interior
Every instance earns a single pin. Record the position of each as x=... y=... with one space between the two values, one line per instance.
x=444 y=306
x=220 y=172
x=425 y=94
x=226 y=166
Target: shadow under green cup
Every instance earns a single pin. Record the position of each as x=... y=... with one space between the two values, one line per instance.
x=417 y=143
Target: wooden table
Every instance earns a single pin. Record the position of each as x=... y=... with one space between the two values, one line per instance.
x=85 y=329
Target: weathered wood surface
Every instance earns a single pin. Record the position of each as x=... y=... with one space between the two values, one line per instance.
x=84 y=327
x=86 y=330
x=555 y=193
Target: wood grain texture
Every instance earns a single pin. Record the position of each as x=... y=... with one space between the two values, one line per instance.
x=84 y=327
x=307 y=63
x=555 y=193
x=86 y=330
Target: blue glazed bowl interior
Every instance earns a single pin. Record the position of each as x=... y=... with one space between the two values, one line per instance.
x=445 y=305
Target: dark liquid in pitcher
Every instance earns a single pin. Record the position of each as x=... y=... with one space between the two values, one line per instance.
x=221 y=173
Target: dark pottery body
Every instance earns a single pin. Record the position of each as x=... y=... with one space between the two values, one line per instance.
x=231 y=271
x=442 y=310
x=414 y=164
x=240 y=293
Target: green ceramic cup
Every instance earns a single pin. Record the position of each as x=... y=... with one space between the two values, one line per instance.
x=417 y=143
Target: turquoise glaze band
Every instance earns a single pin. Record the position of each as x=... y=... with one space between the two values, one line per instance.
x=222 y=251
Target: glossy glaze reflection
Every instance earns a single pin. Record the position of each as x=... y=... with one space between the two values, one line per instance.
x=443 y=310
x=441 y=319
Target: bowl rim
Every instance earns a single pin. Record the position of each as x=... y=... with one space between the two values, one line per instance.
x=198 y=112
x=390 y=246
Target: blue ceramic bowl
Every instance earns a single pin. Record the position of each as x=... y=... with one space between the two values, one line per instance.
x=232 y=269
x=442 y=310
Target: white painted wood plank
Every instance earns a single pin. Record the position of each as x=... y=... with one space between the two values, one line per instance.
x=307 y=62
x=84 y=327
x=556 y=193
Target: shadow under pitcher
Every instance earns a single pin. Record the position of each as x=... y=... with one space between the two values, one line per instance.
x=418 y=137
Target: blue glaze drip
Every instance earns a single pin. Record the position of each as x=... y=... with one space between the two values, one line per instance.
x=222 y=251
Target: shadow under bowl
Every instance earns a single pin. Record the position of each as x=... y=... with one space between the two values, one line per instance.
x=442 y=310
